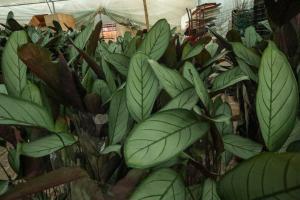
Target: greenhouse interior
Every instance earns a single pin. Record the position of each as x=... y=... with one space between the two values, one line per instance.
x=149 y=100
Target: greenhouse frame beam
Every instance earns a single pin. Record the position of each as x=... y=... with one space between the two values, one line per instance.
x=25 y=4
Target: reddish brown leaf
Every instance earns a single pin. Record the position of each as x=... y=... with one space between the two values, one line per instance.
x=56 y=75
x=94 y=38
x=43 y=182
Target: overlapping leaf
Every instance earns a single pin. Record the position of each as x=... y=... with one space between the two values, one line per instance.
x=241 y=147
x=228 y=79
x=141 y=88
x=162 y=136
x=210 y=190
x=157 y=40
x=246 y=54
x=164 y=184
x=251 y=37
x=247 y=70
x=32 y=93
x=13 y=69
x=193 y=51
x=118 y=117
x=277 y=98
x=170 y=79
x=223 y=128
x=15 y=111
x=266 y=176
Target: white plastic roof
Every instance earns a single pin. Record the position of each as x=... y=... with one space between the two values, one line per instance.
x=172 y=10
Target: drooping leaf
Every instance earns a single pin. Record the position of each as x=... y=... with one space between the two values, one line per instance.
x=32 y=93
x=170 y=79
x=101 y=88
x=251 y=37
x=44 y=182
x=142 y=87
x=210 y=190
x=131 y=49
x=109 y=76
x=112 y=149
x=81 y=40
x=185 y=100
x=246 y=54
x=119 y=61
x=93 y=39
x=15 y=111
x=212 y=48
x=247 y=70
x=266 y=176
x=228 y=78
x=192 y=52
x=13 y=69
x=241 y=147
x=118 y=117
x=164 y=184
x=223 y=128
x=46 y=145
x=162 y=136
x=199 y=86
x=277 y=98
x=157 y=40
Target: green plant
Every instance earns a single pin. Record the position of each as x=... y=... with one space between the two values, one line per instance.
x=150 y=117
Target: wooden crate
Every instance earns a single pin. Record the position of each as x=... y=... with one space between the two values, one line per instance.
x=38 y=21
x=63 y=19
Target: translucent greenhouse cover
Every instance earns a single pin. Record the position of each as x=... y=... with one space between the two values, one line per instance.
x=129 y=10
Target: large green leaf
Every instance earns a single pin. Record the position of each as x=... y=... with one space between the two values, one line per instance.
x=277 y=98
x=192 y=52
x=199 y=85
x=186 y=100
x=266 y=176
x=294 y=136
x=157 y=40
x=212 y=48
x=109 y=76
x=162 y=136
x=164 y=184
x=170 y=79
x=210 y=190
x=13 y=69
x=32 y=93
x=223 y=128
x=142 y=87
x=118 y=117
x=228 y=78
x=241 y=147
x=193 y=192
x=247 y=70
x=46 y=145
x=81 y=40
x=101 y=88
x=15 y=111
x=246 y=54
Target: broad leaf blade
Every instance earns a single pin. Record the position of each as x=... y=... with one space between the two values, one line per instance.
x=118 y=117
x=223 y=128
x=210 y=190
x=157 y=40
x=247 y=70
x=142 y=87
x=164 y=184
x=162 y=136
x=13 y=69
x=241 y=147
x=246 y=54
x=170 y=79
x=192 y=52
x=46 y=145
x=251 y=37
x=228 y=79
x=277 y=98
x=19 y=112
x=267 y=176
x=32 y=93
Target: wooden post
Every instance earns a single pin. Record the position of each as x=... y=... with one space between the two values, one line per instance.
x=146 y=14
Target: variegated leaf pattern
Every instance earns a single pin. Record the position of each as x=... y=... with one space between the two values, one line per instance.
x=192 y=52
x=13 y=69
x=32 y=93
x=162 y=136
x=15 y=111
x=186 y=100
x=142 y=87
x=241 y=147
x=118 y=117
x=246 y=54
x=170 y=79
x=263 y=177
x=157 y=40
x=228 y=79
x=209 y=191
x=164 y=184
x=277 y=98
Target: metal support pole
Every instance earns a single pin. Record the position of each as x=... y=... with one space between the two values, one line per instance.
x=146 y=14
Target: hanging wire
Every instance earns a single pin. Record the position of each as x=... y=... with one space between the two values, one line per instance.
x=49 y=6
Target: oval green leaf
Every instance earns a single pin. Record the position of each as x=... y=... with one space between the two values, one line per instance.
x=246 y=54
x=277 y=98
x=267 y=176
x=164 y=184
x=210 y=190
x=13 y=69
x=157 y=40
x=32 y=93
x=192 y=52
x=223 y=128
x=162 y=136
x=142 y=87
